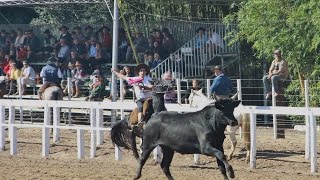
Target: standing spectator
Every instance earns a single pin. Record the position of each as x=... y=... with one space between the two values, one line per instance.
x=88 y=32
x=32 y=40
x=27 y=77
x=195 y=86
x=170 y=95
x=201 y=39
x=105 y=38
x=278 y=71
x=78 y=34
x=123 y=45
x=65 y=35
x=3 y=38
x=19 y=39
x=48 y=42
x=64 y=52
x=67 y=71
x=30 y=54
x=221 y=86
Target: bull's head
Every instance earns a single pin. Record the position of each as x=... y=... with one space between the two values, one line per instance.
x=227 y=106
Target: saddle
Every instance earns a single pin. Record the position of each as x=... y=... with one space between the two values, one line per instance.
x=133 y=116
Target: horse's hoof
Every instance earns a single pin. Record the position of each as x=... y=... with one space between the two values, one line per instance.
x=229 y=157
x=230 y=172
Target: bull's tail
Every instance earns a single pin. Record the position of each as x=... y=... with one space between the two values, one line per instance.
x=119 y=134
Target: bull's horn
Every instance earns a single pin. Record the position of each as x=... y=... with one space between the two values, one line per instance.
x=235 y=96
x=215 y=97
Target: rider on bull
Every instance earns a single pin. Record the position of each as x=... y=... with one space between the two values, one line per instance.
x=51 y=75
x=142 y=87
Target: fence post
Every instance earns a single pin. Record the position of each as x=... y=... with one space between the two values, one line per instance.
x=46 y=131
x=93 y=142
x=274 y=116
x=308 y=134
x=56 y=123
x=239 y=89
x=121 y=98
x=99 y=120
x=80 y=143
x=12 y=131
x=20 y=97
x=69 y=86
x=208 y=88
x=178 y=82
x=313 y=143
x=253 y=140
x=2 y=128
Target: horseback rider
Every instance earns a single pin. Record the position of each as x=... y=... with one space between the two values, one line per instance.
x=142 y=87
x=51 y=75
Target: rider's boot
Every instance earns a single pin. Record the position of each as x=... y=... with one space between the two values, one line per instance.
x=141 y=123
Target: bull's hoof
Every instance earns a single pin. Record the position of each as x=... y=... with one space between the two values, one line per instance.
x=230 y=172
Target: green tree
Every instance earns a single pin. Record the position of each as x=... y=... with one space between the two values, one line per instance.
x=289 y=25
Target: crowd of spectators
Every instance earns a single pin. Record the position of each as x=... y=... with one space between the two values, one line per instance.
x=79 y=51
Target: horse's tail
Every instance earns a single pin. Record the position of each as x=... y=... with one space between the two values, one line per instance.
x=119 y=134
x=246 y=130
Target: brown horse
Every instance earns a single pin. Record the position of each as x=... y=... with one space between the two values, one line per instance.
x=122 y=133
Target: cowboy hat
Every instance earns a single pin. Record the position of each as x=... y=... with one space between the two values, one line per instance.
x=142 y=66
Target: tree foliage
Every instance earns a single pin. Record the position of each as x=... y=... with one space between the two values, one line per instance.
x=289 y=25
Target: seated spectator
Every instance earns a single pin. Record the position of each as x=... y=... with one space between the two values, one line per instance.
x=49 y=42
x=195 y=86
x=88 y=33
x=51 y=75
x=155 y=62
x=99 y=58
x=201 y=39
x=78 y=79
x=168 y=43
x=170 y=95
x=22 y=53
x=79 y=48
x=6 y=65
x=27 y=77
x=158 y=37
x=150 y=60
x=30 y=54
x=73 y=57
x=140 y=44
x=97 y=89
x=215 y=40
x=12 y=77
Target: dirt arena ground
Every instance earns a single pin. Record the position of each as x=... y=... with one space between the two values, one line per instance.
x=276 y=159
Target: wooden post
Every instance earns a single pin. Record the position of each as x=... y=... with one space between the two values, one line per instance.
x=56 y=123
x=313 y=143
x=178 y=82
x=93 y=144
x=307 y=135
x=99 y=120
x=80 y=143
x=239 y=89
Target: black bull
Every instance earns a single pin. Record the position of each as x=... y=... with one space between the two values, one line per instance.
x=199 y=132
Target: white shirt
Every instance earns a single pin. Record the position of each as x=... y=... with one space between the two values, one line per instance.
x=29 y=72
x=216 y=39
x=142 y=93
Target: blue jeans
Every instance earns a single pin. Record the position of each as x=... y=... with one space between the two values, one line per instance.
x=274 y=80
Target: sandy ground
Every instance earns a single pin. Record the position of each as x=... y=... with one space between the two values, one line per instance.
x=276 y=159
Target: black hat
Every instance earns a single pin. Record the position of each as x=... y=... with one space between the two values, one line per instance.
x=63 y=26
x=51 y=60
x=142 y=66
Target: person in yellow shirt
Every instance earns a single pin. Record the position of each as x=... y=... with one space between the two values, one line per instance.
x=13 y=75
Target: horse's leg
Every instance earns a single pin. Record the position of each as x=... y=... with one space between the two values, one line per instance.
x=248 y=156
x=166 y=161
x=225 y=168
x=140 y=146
x=144 y=156
x=233 y=139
